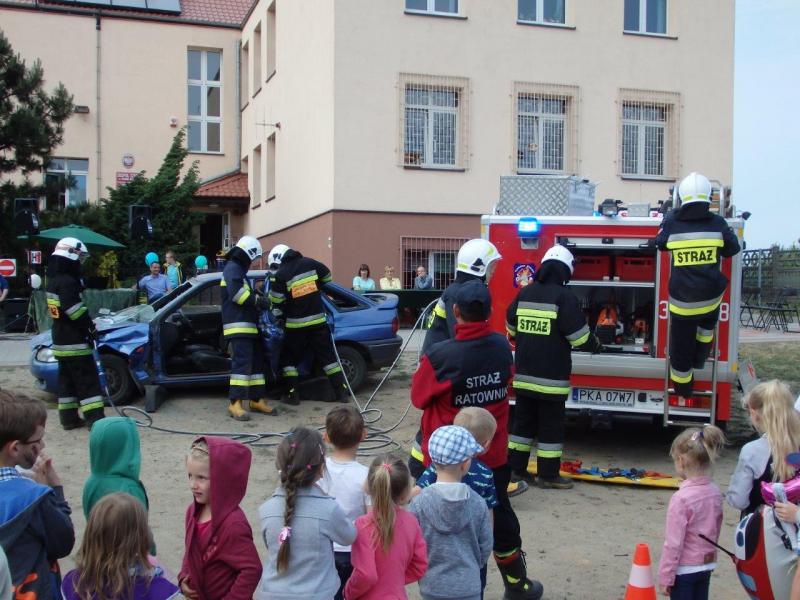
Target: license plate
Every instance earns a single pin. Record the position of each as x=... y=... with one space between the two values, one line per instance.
x=602 y=397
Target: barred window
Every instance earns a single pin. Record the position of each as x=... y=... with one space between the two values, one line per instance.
x=649 y=134
x=434 y=121
x=546 y=121
x=436 y=254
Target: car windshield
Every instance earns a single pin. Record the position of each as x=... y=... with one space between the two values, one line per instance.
x=141 y=313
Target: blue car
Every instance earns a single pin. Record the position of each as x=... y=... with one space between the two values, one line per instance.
x=177 y=341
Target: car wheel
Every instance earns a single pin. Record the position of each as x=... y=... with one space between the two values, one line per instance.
x=354 y=365
x=120 y=386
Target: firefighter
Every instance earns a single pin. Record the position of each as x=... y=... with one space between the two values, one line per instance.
x=547 y=324
x=79 y=391
x=474 y=369
x=240 y=306
x=297 y=304
x=697 y=239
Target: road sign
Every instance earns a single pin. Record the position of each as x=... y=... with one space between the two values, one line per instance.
x=8 y=267
x=35 y=257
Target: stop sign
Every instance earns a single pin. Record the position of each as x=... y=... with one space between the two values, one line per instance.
x=8 y=267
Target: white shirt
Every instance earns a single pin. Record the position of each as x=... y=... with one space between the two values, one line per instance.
x=346 y=481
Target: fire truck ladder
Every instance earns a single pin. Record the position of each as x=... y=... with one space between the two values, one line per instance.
x=713 y=358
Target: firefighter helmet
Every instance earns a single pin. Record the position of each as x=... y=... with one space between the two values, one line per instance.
x=561 y=254
x=250 y=246
x=694 y=188
x=276 y=255
x=71 y=248
x=475 y=256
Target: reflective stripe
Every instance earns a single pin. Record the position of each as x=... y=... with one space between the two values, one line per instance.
x=67 y=403
x=704 y=243
x=222 y=283
x=579 y=337
x=91 y=400
x=440 y=310
x=695 y=235
x=548 y=453
x=276 y=298
x=290 y=372
x=689 y=309
x=78 y=314
x=521 y=444
x=309 y=321
x=275 y=294
x=328 y=278
x=535 y=312
x=705 y=336
x=52 y=296
x=68 y=350
x=239 y=327
x=539 y=306
x=93 y=406
x=331 y=368
x=70 y=346
x=695 y=197
x=301 y=278
x=680 y=376
x=247 y=380
x=73 y=309
x=511 y=329
x=550 y=446
x=242 y=295
x=416 y=453
x=541 y=384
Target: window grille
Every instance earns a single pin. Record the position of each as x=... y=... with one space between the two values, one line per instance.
x=545 y=128
x=436 y=254
x=648 y=134
x=434 y=118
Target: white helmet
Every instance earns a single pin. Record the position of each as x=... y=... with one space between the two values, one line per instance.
x=276 y=255
x=475 y=256
x=694 y=188
x=71 y=248
x=561 y=254
x=250 y=246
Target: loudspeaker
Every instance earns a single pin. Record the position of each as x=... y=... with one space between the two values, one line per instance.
x=139 y=223
x=26 y=216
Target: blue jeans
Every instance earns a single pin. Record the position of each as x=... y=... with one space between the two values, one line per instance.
x=692 y=586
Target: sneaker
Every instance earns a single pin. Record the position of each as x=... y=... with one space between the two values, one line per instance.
x=556 y=483
x=262 y=407
x=236 y=411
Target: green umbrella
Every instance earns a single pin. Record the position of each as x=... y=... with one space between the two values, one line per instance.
x=84 y=234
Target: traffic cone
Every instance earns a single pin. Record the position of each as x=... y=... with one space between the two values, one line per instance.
x=640 y=583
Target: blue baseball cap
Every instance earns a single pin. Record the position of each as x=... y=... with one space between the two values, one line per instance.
x=474 y=295
x=451 y=445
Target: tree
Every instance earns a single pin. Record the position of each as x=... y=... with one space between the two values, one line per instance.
x=31 y=126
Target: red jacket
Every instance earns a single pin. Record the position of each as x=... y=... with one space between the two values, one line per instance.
x=228 y=566
x=473 y=369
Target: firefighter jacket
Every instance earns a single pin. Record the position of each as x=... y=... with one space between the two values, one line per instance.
x=442 y=322
x=71 y=321
x=472 y=369
x=547 y=323
x=239 y=313
x=697 y=239
x=295 y=291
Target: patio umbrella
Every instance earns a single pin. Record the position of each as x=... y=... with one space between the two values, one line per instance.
x=84 y=234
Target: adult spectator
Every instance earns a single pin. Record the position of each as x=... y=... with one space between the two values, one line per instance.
x=155 y=284
x=423 y=281
x=363 y=282
x=173 y=270
x=389 y=281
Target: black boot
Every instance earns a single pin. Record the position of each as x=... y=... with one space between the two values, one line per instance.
x=69 y=419
x=293 y=398
x=548 y=476
x=340 y=393
x=93 y=416
x=515 y=579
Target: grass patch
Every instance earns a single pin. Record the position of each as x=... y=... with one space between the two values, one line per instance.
x=780 y=360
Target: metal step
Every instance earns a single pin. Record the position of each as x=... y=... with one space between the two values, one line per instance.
x=700 y=394
x=687 y=423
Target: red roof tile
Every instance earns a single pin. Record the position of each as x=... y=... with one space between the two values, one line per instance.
x=227 y=186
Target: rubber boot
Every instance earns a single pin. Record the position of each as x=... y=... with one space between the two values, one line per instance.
x=93 y=416
x=548 y=474
x=340 y=394
x=69 y=419
x=238 y=412
x=262 y=407
x=515 y=580
x=525 y=478
x=293 y=398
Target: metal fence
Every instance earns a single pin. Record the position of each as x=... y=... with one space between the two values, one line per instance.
x=768 y=273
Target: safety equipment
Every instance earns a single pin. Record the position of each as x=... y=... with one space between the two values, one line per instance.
x=250 y=246
x=475 y=256
x=71 y=248
x=237 y=411
x=276 y=255
x=561 y=254
x=694 y=188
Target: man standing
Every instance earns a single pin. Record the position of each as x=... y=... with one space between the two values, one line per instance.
x=73 y=330
x=474 y=369
x=547 y=323
x=295 y=293
x=423 y=281
x=155 y=284
x=240 y=306
x=173 y=270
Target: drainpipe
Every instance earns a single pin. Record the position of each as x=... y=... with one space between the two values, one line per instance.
x=238 y=50
x=99 y=152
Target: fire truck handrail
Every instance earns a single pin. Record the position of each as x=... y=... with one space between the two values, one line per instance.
x=638 y=367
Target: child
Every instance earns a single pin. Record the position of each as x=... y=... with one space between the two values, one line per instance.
x=35 y=525
x=771 y=408
x=389 y=546
x=454 y=519
x=220 y=560
x=112 y=561
x=687 y=560
x=300 y=560
x=345 y=478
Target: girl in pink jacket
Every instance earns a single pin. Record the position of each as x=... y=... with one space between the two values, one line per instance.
x=687 y=560
x=389 y=541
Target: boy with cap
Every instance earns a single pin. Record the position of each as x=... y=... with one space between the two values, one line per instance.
x=454 y=520
x=474 y=369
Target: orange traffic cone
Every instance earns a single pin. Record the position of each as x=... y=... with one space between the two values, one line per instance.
x=640 y=583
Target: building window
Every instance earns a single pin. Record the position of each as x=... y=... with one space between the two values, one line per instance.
x=434 y=121
x=244 y=78
x=649 y=134
x=205 y=100
x=436 y=254
x=257 y=59
x=546 y=128
x=271 y=167
x=65 y=182
x=541 y=11
x=433 y=7
x=272 y=24
x=255 y=194
x=646 y=16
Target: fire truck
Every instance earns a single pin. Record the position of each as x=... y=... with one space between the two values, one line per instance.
x=621 y=280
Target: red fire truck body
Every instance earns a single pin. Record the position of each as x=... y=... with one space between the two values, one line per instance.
x=617 y=267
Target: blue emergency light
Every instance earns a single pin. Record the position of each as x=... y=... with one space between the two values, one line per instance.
x=528 y=227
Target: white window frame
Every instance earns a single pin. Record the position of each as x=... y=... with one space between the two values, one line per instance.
x=203 y=118
x=431 y=10
x=539 y=20
x=641 y=125
x=670 y=102
x=67 y=173
x=540 y=117
x=643 y=19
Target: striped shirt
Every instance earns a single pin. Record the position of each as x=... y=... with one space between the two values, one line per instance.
x=479 y=477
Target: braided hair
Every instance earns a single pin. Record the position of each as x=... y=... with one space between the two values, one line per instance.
x=300 y=458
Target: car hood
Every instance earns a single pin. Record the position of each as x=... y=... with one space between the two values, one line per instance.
x=124 y=338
